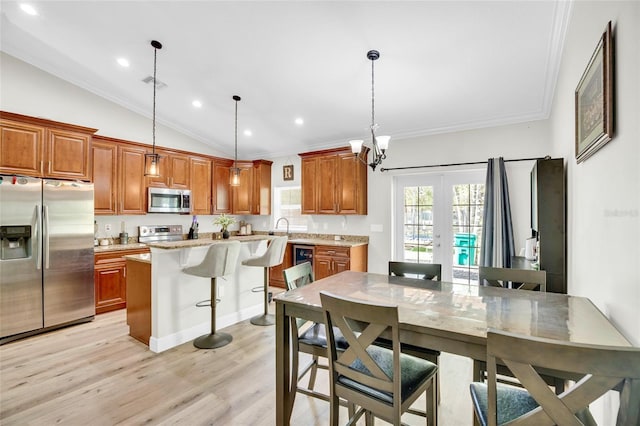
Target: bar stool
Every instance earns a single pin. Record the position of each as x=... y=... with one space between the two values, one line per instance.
x=272 y=257
x=220 y=260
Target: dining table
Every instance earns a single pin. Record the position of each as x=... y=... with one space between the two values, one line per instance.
x=445 y=316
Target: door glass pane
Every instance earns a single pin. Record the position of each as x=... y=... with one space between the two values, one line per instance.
x=466 y=212
x=418 y=224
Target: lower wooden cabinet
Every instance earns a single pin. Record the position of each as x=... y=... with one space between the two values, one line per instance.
x=110 y=278
x=331 y=260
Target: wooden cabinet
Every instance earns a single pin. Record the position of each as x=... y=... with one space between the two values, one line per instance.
x=139 y=300
x=200 y=169
x=221 y=190
x=243 y=194
x=276 y=278
x=174 y=171
x=110 y=279
x=334 y=181
x=548 y=220
x=330 y=260
x=44 y=148
x=131 y=182
x=104 y=176
x=261 y=187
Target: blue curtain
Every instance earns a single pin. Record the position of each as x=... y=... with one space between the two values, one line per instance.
x=497 y=229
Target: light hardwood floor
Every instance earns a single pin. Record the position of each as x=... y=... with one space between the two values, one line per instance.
x=96 y=374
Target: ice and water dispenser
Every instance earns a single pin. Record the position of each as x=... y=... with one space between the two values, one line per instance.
x=16 y=242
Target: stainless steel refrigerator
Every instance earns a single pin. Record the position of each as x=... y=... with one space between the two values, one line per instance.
x=46 y=255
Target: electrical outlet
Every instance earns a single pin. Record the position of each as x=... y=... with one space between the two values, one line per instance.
x=107 y=227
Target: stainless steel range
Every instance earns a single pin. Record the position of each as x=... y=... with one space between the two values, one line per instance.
x=158 y=233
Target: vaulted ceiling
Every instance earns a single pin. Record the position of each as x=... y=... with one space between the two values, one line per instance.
x=444 y=65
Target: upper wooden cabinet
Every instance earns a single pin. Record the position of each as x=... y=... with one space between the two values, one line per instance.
x=174 y=171
x=44 y=148
x=220 y=189
x=334 y=181
x=261 y=187
x=243 y=194
x=131 y=182
x=105 y=176
x=200 y=185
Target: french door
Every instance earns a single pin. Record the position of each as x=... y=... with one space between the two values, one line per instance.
x=438 y=219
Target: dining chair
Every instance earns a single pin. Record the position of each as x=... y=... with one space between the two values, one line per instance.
x=421 y=271
x=599 y=368
x=521 y=279
x=381 y=382
x=308 y=337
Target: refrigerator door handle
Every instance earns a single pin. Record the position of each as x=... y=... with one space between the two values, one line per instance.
x=36 y=239
x=45 y=214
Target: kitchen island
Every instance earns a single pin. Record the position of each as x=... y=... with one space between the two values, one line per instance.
x=161 y=299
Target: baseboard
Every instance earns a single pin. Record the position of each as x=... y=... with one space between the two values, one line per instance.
x=167 y=342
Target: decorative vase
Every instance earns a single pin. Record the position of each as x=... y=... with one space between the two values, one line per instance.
x=225 y=234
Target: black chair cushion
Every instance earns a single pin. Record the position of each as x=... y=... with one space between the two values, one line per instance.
x=414 y=371
x=316 y=336
x=512 y=402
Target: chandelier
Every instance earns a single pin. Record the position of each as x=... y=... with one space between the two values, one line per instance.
x=380 y=143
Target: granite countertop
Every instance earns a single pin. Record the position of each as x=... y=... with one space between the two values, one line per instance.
x=116 y=247
x=168 y=245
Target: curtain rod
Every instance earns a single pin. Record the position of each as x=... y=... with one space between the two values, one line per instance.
x=462 y=164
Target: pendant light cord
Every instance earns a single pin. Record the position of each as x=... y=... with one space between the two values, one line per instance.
x=373 y=107
x=235 y=160
x=155 y=57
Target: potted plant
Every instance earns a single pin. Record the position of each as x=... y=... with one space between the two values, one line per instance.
x=224 y=221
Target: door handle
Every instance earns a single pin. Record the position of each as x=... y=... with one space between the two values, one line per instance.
x=45 y=215
x=36 y=240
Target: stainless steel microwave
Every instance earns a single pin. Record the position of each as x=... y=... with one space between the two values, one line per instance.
x=164 y=200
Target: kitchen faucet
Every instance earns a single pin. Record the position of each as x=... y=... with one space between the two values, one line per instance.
x=286 y=220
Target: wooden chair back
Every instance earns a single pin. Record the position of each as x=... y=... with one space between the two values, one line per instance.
x=603 y=368
x=523 y=279
x=427 y=271
x=298 y=275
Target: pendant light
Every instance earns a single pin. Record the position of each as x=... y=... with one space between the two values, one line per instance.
x=380 y=143
x=152 y=161
x=234 y=175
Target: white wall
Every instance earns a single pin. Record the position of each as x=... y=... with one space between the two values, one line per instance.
x=30 y=91
x=514 y=141
x=604 y=191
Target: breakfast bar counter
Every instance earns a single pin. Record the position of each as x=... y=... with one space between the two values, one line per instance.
x=161 y=299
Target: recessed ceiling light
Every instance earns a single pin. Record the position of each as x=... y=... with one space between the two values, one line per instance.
x=28 y=9
x=299 y=121
x=197 y=104
x=248 y=132
x=123 y=62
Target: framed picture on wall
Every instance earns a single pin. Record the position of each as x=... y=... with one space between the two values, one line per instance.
x=594 y=100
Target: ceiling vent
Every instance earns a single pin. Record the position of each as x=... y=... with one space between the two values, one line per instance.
x=159 y=84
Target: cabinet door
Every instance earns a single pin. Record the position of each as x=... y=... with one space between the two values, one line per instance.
x=180 y=174
x=110 y=287
x=21 y=148
x=68 y=154
x=242 y=195
x=326 y=184
x=322 y=267
x=221 y=189
x=308 y=189
x=200 y=186
x=351 y=183
x=131 y=197
x=340 y=264
x=276 y=278
x=104 y=155
x=261 y=188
